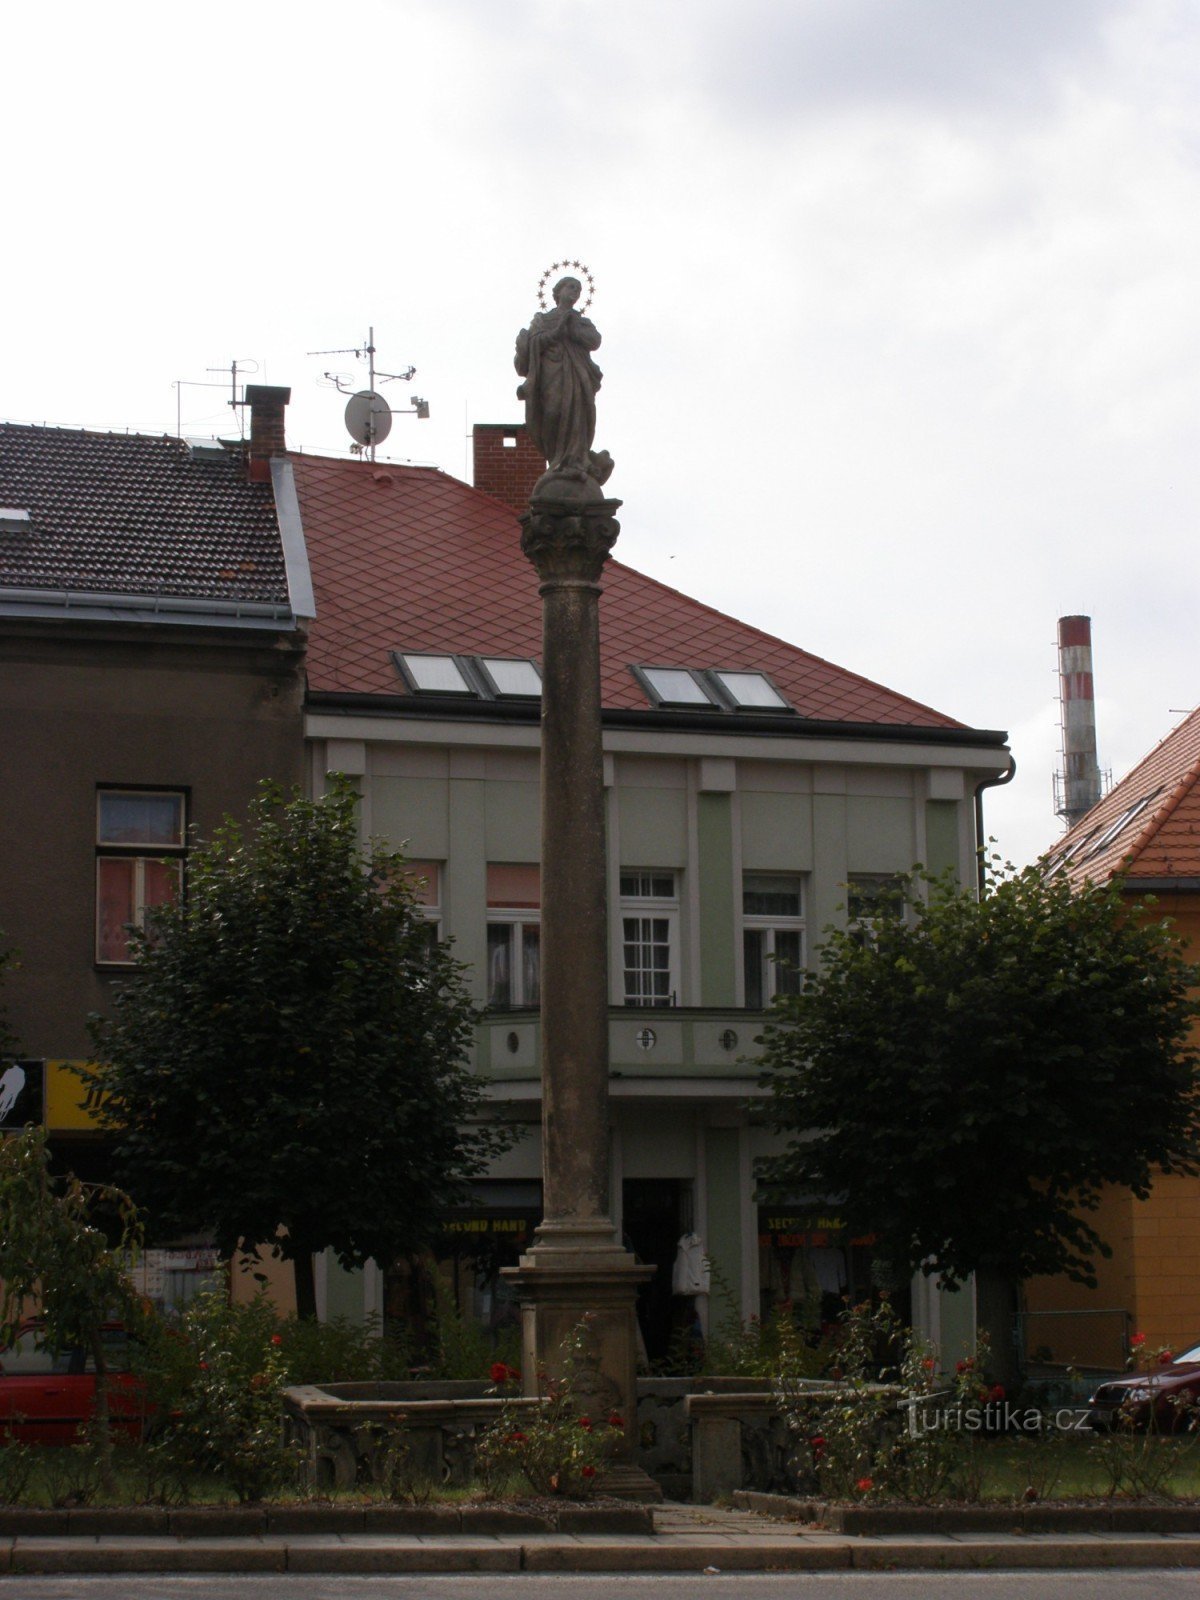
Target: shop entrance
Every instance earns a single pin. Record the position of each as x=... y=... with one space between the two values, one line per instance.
x=655 y=1212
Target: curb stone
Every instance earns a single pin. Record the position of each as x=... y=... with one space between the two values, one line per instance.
x=874 y=1521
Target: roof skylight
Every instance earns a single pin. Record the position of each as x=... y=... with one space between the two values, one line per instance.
x=674 y=686
x=430 y=674
x=751 y=691
x=512 y=678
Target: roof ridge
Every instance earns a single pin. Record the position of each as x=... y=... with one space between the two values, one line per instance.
x=94 y=433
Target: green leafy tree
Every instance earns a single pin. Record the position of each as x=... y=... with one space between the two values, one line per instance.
x=964 y=1081
x=286 y=1069
x=64 y=1247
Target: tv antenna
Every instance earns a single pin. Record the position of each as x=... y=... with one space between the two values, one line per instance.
x=368 y=415
x=233 y=369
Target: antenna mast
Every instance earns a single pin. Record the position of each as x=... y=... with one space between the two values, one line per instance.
x=368 y=415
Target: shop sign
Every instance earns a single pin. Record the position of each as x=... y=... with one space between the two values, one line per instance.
x=22 y=1093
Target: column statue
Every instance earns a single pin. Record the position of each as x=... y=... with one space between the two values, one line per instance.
x=559 y=391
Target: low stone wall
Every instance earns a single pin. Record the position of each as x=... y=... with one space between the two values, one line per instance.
x=697 y=1437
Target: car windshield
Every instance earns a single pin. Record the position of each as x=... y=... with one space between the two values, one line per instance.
x=1189 y=1355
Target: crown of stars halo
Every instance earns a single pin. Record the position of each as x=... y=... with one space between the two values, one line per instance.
x=578 y=268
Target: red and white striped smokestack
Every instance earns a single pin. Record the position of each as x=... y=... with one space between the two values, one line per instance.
x=1081 y=768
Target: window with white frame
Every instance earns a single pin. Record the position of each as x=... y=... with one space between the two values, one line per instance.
x=649 y=937
x=514 y=951
x=772 y=936
x=141 y=842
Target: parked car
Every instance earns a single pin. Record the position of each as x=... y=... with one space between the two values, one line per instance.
x=48 y=1396
x=1169 y=1394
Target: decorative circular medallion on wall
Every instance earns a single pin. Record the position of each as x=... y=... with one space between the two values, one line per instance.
x=728 y=1040
x=513 y=1042
x=646 y=1038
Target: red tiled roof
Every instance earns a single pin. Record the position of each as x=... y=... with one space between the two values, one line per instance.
x=1149 y=824
x=131 y=514
x=408 y=558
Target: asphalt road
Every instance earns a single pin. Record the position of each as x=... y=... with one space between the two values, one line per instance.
x=1156 y=1585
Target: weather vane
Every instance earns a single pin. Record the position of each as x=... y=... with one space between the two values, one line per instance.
x=564 y=266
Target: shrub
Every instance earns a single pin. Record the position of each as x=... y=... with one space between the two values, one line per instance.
x=556 y=1446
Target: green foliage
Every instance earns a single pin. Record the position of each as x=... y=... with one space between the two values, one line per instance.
x=55 y=1245
x=214 y=1380
x=341 y=1351
x=553 y=1443
x=753 y=1348
x=291 y=1050
x=463 y=1347
x=888 y=1425
x=967 y=1081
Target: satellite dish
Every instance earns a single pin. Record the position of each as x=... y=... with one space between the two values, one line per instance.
x=368 y=417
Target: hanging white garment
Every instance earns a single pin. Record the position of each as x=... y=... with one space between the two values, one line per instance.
x=690 y=1273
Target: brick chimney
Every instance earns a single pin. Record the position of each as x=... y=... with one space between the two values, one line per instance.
x=507 y=462
x=267 y=405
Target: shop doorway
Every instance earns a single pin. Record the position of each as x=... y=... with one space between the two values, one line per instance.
x=655 y=1212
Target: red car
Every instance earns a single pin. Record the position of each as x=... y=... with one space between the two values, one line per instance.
x=48 y=1396
x=1170 y=1393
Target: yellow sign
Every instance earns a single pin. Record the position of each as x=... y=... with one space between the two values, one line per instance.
x=68 y=1098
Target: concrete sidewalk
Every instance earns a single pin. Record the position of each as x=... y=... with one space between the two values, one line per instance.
x=686 y=1539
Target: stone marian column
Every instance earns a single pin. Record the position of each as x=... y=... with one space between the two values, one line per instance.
x=576 y=1270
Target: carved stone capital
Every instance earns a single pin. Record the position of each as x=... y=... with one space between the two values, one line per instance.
x=569 y=543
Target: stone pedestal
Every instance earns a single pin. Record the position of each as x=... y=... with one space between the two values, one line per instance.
x=576 y=1268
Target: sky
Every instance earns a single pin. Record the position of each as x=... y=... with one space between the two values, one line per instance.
x=899 y=298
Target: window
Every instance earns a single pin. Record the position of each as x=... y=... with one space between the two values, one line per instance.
x=873 y=897
x=673 y=686
x=514 y=967
x=429 y=674
x=649 y=915
x=425 y=879
x=141 y=837
x=772 y=936
x=751 y=691
x=510 y=679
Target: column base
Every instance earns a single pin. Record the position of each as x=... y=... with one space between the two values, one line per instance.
x=562 y=1284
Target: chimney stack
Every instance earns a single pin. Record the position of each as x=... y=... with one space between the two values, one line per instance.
x=507 y=462
x=1079 y=787
x=267 y=438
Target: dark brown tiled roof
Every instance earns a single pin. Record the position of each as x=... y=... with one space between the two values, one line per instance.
x=1148 y=825
x=407 y=558
x=127 y=514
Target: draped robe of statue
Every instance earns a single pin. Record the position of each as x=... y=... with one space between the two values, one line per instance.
x=559 y=391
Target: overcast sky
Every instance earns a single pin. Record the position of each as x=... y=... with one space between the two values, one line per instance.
x=899 y=298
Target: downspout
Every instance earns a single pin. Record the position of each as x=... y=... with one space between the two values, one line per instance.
x=980 y=842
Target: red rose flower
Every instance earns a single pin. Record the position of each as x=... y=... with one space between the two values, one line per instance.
x=616 y=1420
x=996 y=1392
x=587 y=1472
x=928 y=1363
x=503 y=1373
x=1164 y=1356
x=1136 y=1339
x=515 y=1438
x=586 y=1424
x=865 y=1485
x=276 y=1338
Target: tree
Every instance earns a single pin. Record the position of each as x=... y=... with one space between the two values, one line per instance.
x=287 y=1066
x=55 y=1249
x=963 y=1082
